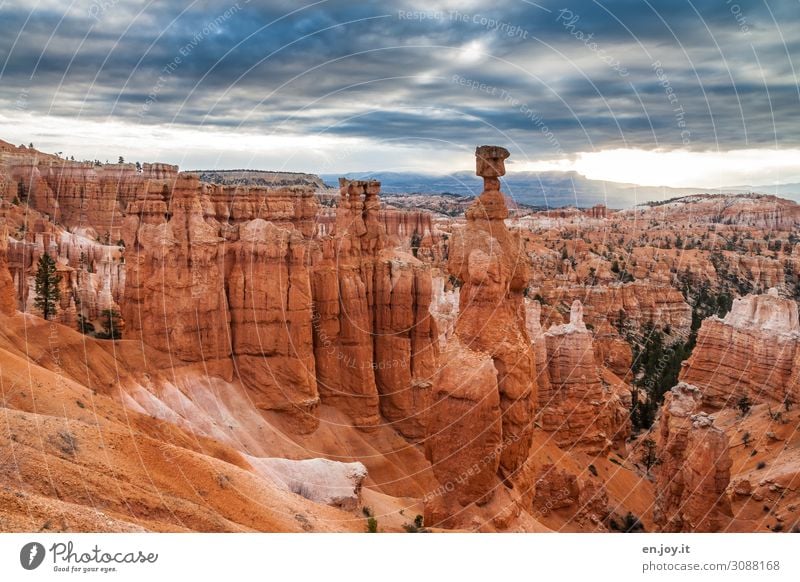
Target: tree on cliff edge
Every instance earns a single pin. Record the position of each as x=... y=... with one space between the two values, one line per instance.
x=47 y=286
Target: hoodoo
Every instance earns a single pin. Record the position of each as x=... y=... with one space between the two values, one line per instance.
x=490 y=264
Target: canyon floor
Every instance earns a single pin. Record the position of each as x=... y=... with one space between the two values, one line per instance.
x=242 y=351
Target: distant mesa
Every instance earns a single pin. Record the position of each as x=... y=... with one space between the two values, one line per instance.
x=260 y=178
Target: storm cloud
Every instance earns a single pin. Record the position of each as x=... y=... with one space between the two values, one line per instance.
x=549 y=78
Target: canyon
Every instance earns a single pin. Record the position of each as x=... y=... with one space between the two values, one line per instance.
x=256 y=351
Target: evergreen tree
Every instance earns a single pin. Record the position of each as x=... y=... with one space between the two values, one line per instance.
x=84 y=325
x=47 y=286
x=111 y=325
x=649 y=457
x=416 y=240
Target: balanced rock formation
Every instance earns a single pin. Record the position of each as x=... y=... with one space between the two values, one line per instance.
x=752 y=353
x=695 y=466
x=491 y=262
x=481 y=418
x=581 y=411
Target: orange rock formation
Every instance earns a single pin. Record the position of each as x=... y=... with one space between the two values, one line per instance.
x=695 y=466
x=579 y=408
x=751 y=353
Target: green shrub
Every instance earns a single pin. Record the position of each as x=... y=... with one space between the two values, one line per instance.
x=372 y=525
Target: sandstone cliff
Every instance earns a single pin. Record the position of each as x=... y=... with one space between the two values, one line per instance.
x=268 y=295
x=752 y=353
x=695 y=466
x=637 y=303
x=8 y=302
x=375 y=340
x=245 y=302
x=581 y=410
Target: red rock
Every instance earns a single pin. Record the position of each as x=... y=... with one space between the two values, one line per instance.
x=581 y=410
x=752 y=352
x=342 y=287
x=406 y=342
x=695 y=466
x=494 y=269
x=375 y=341
x=268 y=292
x=578 y=500
x=465 y=433
x=174 y=296
x=83 y=200
x=637 y=303
x=444 y=308
x=8 y=301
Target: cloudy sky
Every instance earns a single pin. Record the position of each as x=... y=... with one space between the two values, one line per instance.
x=659 y=92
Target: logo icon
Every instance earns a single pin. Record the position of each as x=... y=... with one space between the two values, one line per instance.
x=31 y=555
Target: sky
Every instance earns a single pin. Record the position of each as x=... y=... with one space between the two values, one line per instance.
x=657 y=92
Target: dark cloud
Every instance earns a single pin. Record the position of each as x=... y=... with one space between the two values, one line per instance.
x=368 y=70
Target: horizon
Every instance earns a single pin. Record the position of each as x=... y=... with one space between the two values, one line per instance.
x=430 y=174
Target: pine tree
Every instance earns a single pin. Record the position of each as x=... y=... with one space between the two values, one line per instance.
x=112 y=328
x=649 y=454
x=48 y=291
